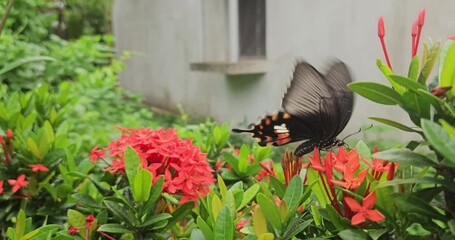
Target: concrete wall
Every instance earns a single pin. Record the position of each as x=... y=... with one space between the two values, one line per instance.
x=165 y=36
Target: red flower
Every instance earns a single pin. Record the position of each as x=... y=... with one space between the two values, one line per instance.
x=452 y=38
x=241 y=223
x=185 y=169
x=291 y=167
x=1 y=187
x=381 y=34
x=346 y=160
x=9 y=133
x=38 y=167
x=89 y=219
x=350 y=182
x=267 y=169
x=95 y=154
x=315 y=161
x=18 y=183
x=365 y=211
x=72 y=230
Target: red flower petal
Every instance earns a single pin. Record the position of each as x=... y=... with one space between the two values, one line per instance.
x=374 y=215
x=381 y=29
x=368 y=201
x=357 y=219
x=353 y=204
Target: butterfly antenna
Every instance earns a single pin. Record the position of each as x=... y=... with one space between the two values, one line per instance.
x=360 y=130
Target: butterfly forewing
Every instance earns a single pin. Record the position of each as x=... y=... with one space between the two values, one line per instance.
x=316 y=108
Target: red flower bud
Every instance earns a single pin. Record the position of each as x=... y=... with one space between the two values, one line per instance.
x=381 y=30
x=421 y=19
x=452 y=38
x=9 y=134
x=414 y=29
x=391 y=172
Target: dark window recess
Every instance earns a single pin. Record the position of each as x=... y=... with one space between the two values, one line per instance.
x=251 y=29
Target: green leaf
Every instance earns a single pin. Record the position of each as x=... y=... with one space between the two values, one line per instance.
x=376 y=92
x=270 y=210
x=205 y=228
x=412 y=204
x=259 y=222
x=414 y=68
x=216 y=206
x=20 y=224
x=76 y=219
x=249 y=194
x=162 y=217
x=121 y=213
x=32 y=147
x=224 y=225
x=293 y=193
x=394 y=124
x=86 y=200
x=375 y=234
x=243 y=158
x=423 y=180
x=11 y=233
x=113 y=228
x=437 y=103
x=132 y=164
x=353 y=234
x=428 y=64
x=156 y=191
x=232 y=161
x=230 y=202
x=407 y=83
x=142 y=186
x=279 y=187
x=261 y=153
x=363 y=150
x=440 y=140
x=447 y=66
x=179 y=214
x=222 y=187
x=405 y=156
x=12 y=65
x=295 y=227
x=197 y=234
x=449 y=128
x=387 y=72
x=416 y=107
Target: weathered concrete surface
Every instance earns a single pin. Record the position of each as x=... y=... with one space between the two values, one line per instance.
x=166 y=36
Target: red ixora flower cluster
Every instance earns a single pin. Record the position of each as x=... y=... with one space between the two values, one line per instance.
x=7 y=158
x=185 y=169
x=353 y=176
x=415 y=35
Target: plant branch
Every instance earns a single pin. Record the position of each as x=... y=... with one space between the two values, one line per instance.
x=5 y=15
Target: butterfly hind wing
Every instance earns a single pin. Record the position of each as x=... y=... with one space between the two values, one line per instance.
x=280 y=129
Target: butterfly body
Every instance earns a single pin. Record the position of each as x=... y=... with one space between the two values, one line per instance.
x=316 y=108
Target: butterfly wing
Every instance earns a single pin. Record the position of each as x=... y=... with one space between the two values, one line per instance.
x=279 y=129
x=343 y=99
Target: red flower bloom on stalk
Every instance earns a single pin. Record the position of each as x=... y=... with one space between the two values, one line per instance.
x=351 y=182
x=38 y=167
x=96 y=153
x=267 y=169
x=345 y=160
x=18 y=183
x=1 y=187
x=72 y=230
x=315 y=161
x=185 y=169
x=291 y=167
x=365 y=210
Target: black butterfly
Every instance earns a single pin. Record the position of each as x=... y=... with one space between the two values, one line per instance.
x=316 y=108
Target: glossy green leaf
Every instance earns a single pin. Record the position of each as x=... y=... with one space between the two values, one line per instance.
x=86 y=200
x=449 y=128
x=179 y=214
x=222 y=186
x=407 y=82
x=197 y=234
x=283 y=209
x=447 y=66
x=353 y=234
x=405 y=156
x=428 y=63
x=416 y=107
x=394 y=124
x=24 y=60
x=376 y=92
x=293 y=193
x=224 y=225
x=33 y=147
x=142 y=186
x=156 y=191
x=363 y=150
x=440 y=140
x=270 y=210
x=387 y=72
x=437 y=103
x=420 y=180
x=411 y=204
x=261 y=153
x=20 y=224
x=249 y=194
x=414 y=68
x=205 y=228
x=121 y=213
x=216 y=206
x=162 y=217
x=113 y=228
x=243 y=158
x=259 y=222
x=232 y=161
x=132 y=164
x=279 y=187
x=230 y=202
